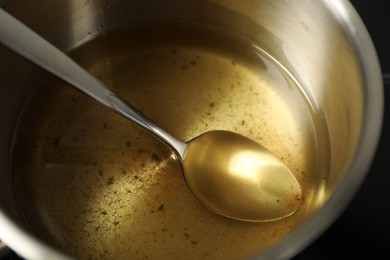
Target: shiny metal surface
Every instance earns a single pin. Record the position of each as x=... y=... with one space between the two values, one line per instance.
x=351 y=231
x=324 y=43
x=4 y=250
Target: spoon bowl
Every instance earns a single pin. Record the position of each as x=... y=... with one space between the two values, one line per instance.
x=230 y=174
x=238 y=178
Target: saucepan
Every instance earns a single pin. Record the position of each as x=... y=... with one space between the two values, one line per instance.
x=321 y=48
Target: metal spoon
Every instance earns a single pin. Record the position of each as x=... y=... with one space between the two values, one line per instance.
x=229 y=173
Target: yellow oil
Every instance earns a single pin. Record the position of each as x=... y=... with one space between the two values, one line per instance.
x=236 y=177
x=98 y=187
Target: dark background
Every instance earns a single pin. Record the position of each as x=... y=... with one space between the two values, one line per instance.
x=363 y=229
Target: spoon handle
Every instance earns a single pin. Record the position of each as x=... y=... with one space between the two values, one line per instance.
x=25 y=42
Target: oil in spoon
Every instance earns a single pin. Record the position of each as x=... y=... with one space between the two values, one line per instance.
x=236 y=177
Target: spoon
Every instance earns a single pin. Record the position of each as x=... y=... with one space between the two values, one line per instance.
x=229 y=173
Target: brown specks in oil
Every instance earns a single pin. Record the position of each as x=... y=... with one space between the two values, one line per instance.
x=106 y=189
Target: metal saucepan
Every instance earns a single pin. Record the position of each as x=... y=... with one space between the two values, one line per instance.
x=324 y=43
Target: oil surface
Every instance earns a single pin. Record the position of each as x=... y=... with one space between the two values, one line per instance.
x=98 y=187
